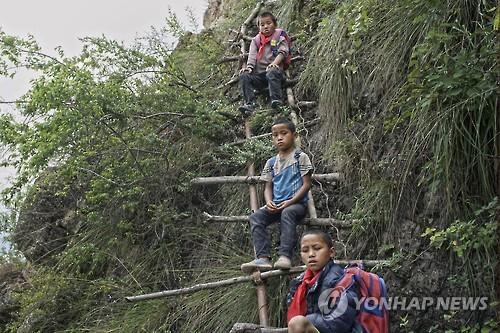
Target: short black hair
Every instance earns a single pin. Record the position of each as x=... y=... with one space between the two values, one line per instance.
x=287 y=122
x=267 y=14
x=326 y=237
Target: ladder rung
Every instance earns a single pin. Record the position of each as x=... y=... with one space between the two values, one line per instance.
x=306 y=104
x=245 y=56
x=250 y=38
x=307 y=221
x=248 y=327
x=260 y=136
x=255 y=179
x=242 y=279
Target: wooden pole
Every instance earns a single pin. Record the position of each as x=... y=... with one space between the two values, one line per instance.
x=242 y=279
x=261 y=287
x=311 y=208
x=252 y=179
x=496 y=27
x=318 y=221
x=306 y=104
x=252 y=328
x=239 y=142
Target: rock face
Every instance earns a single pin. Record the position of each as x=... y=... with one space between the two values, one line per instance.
x=10 y=278
x=46 y=220
x=217 y=11
x=212 y=13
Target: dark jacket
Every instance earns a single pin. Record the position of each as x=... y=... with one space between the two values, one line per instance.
x=327 y=322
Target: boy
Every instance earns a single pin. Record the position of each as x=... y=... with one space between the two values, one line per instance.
x=288 y=180
x=266 y=58
x=308 y=311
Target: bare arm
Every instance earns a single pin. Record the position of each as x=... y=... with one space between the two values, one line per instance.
x=278 y=60
x=268 y=192
x=252 y=55
x=283 y=53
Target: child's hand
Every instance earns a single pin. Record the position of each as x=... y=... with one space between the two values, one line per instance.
x=271 y=207
x=282 y=205
x=271 y=67
x=246 y=69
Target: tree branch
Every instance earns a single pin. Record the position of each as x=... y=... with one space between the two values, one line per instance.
x=166 y=114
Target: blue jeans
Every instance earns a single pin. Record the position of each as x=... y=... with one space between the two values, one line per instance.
x=272 y=79
x=289 y=218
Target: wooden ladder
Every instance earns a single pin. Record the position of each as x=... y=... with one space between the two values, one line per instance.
x=252 y=180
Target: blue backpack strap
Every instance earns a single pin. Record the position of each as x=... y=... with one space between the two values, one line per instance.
x=297 y=158
x=271 y=162
x=256 y=40
x=276 y=38
x=296 y=155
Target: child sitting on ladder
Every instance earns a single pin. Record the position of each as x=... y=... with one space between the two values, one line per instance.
x=288 y=180
x=309 y=309
x=269 y=54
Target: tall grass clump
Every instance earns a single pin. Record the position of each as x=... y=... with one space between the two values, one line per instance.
x=362 y=53
x=450 y=102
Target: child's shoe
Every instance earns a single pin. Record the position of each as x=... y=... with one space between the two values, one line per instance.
x=283 y=263
x=261 y=264
x=276 y=104
x=247 y=109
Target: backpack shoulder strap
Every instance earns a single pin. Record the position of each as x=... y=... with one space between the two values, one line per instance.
x=256 y=40
x=297 y=158
x=271 y=162
x=297 y=154
x=277 y=33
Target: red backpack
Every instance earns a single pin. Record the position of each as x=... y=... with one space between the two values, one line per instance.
x=373 y=316
x=277 y=35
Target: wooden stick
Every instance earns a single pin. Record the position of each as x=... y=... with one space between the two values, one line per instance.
x=160 y=114
x=307 y=123
x=290 y=83
x=260 y=288
x=306 y=104
x=318 y=221
x=254 y=328
x=255 y=179
x=245 y=56
x=233 y=80
x=249 y=139
x=242 y=279
x=236 y=78
x=232 y=58
x=249 y=38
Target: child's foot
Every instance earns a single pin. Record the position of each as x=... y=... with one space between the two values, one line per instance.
x=283 y=263
x=276 y=104
x=261 y=264
x=247 y=109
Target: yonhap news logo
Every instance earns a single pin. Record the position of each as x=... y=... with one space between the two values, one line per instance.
x=333 y=302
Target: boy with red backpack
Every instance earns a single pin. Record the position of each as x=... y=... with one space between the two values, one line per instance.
x=268 y=56
x=329 y=299
x=309 y=307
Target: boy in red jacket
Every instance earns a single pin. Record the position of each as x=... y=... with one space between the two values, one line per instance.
x=308 y=311
x=268 y=53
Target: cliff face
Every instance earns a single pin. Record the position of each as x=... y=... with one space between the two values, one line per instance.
x=212 y=14
x=217 y=11
x=220 y=12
